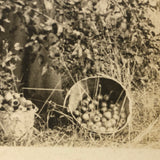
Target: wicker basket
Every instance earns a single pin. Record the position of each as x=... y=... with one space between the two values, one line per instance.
x=89 y=86
x=17 y=124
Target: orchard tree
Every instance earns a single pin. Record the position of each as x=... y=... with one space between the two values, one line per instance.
x=84 y=38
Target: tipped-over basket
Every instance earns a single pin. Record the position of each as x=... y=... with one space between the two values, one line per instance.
x=99 y=104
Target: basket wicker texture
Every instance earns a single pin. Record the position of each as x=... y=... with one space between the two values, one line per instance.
x=99 y=115
x=16 y=124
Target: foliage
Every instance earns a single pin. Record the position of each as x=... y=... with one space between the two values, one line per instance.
x=90 y=37
x=7 y=65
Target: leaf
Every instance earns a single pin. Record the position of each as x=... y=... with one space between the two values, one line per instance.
x=20 y=2
x=41 y=36
x=26 y=16
x=36 y=47
x=88 y=53
x=2 y=28
x=17 y=46
x=48 y=4
x=52 y=38
x=101 y=7
x=44 y=69
x=80 y=52
x=34 y=37
x=48 y=28
x=11 y=67
x=60 y=29
x=29 y=44
x=7 y=20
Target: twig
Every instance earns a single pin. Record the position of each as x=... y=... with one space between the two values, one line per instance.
x=15 y=86
x=120 y=96
x=44 y=89
x=97 y=85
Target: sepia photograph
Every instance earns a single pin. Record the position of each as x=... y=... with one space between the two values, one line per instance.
x=79 y=79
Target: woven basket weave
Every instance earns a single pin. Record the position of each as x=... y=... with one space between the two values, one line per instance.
x=88 y=85
x=17 y=124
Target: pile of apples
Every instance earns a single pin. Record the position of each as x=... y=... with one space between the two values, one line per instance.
x=100 y=114
x=12 y=102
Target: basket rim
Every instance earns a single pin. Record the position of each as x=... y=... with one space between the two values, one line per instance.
x=32 y=110
x=106 y=77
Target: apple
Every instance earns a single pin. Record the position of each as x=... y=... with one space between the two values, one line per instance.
x=97 y=112
x=79 y=119
x=91 y=106
x=22 y=101
x=28 y=103
x=95 y=102
x=116 y=112
x=8 y=108
x=84 y=109
x=15 y=102
x=123 y=115
x=84 y=125
x=90 y=124
x=85 y=116
x=121 y=122
x=96 y=118
x=103 y=120
x=98 y=124
x=108 y=124
x=95 y=128
x=99 y=97
x=112 y=106
x=22 y=108
x=107 y=114
x=117 y=105
x=115 y=108
x=100 y=115
x=106 y=97
x=76 y=113
x=8 y=96
x=110 y=129
x=103 y=109
x=91 y=114
x=113 y=121
x=16 y=95
x=104 y=104
x=102 y=129
x=84 y=102
x=116 y=117
x=88 y=99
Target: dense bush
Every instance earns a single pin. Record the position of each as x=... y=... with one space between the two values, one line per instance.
x=89 y=37
x=7 y=66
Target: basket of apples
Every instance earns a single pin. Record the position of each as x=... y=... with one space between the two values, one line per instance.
x=16 y=114
x=99 y=104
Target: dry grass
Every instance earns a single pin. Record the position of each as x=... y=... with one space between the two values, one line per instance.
x=142 y=130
